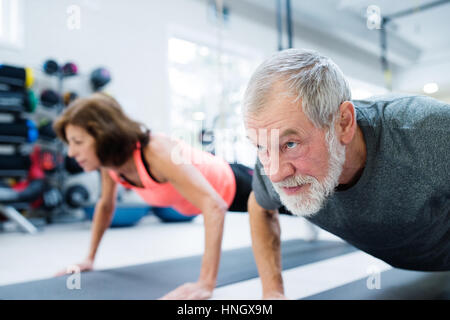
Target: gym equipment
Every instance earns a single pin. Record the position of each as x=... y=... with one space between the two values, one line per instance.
x=16 y=77
x=22 y=101
x=19 y=131
x=14 y=162
x=36 y=171
x=170 y=215
x=99 y=78
x=10 y=198
x=69 y=97
x=206 y=138
x=12 y=214
x=32 y=192
x=31 y=102
x=29 y=77
x=50 y=67
x=46 y=130
x=49 y=98
x=52 y=199
x=48 y=161
x=125 y=214
x=69 y=69
x=72 y=166
x=76 y=196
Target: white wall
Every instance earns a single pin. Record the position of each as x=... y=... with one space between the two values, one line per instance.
x=130 y=39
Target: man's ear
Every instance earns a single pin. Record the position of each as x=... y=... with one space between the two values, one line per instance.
x=346 y=124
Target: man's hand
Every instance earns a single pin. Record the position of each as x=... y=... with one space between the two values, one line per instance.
x=190 y=291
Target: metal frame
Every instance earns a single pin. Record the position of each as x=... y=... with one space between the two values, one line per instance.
x=15 y=216
x=383 y=36
x=289 y=25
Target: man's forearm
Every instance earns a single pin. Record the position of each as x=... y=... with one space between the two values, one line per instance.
x=265 y=232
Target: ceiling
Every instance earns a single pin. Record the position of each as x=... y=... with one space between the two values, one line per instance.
x=412 y=40
x=424 y=30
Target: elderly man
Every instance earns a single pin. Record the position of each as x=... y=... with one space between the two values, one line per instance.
x=375 y=172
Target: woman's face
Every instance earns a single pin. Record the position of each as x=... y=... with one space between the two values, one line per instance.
x=82 y=147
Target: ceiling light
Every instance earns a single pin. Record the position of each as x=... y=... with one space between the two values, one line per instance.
x=198 y=116
x=431 y=87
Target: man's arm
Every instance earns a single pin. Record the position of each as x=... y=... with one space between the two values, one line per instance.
x=265 y=232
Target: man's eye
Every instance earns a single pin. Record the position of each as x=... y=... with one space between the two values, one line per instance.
x=291 y=145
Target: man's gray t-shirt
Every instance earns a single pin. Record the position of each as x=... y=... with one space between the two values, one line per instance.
x=399 y=210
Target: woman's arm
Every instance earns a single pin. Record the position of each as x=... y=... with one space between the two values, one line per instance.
x=103 y=214
x=104 y=211
x=192 y=185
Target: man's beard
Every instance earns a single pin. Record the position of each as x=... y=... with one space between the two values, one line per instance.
x=310 y=201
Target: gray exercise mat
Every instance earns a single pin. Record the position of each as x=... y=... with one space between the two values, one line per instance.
x=153 y=280
x=394 y=284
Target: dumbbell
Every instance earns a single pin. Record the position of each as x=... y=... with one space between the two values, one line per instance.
x=16 y=77
x=23 y=100
x=15 y=162
x=50 y=67
x=49 y=98
x=99 y=78
x=48 y=161
x=24 y=129
x=69 y=69
x=76 y=196
x=69 y=97
x=52 y=199
x=46 y=130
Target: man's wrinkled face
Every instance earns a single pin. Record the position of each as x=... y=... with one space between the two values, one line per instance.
x=303 y=162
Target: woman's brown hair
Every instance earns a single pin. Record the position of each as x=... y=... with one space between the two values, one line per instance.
x=115 y=134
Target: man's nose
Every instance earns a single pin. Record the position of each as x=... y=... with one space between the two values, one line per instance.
x=278 y=170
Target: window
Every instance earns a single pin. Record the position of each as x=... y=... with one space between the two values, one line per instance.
x=11 y=23
x=207 y=86
x=362 y=90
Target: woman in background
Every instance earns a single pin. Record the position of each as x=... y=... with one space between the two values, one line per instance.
x=163 y=171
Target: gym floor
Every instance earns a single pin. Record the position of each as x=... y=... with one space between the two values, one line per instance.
x=148 y=260
x=25 y=258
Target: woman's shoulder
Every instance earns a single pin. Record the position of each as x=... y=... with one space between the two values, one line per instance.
x=160 y=143
x=162 y=148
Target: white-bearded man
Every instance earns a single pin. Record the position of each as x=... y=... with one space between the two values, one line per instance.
x=375 y=172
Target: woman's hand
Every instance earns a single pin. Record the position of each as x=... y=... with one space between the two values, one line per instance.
x=86 y=265
x=190 y=291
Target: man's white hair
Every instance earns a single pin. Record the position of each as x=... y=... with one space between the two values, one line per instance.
x=306 y=75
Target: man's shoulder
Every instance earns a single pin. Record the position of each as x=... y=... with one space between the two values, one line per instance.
x=406 y=111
